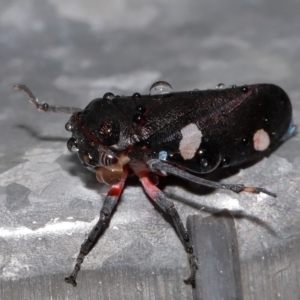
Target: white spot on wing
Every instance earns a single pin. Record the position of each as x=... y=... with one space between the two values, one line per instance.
x=261 y=140
x=190 y=142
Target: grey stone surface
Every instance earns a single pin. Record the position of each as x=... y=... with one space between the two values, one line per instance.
x=70 y=52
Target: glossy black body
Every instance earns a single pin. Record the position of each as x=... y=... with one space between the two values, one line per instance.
x=143 y=126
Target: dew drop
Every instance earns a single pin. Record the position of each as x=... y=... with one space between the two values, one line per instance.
x=204 y=162
x=245 y=141
x=136 y=95
x=160 y=88
x=245 y=88
x=265 y=120
x=220 y=86
x=138 y=119
x=140 y=108
x=225 y=162
x=45 y=106
x=68 y=126
x=72 y=145
x=234 y=86
x=108 y=96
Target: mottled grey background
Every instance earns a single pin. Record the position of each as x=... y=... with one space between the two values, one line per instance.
x=70 y=52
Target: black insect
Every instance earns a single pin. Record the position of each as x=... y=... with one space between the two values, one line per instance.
x=177 y=133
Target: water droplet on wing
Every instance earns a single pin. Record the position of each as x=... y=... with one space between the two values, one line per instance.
x=160 y=88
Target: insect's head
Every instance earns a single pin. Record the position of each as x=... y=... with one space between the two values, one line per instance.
x=94 y=139
x=100 y=134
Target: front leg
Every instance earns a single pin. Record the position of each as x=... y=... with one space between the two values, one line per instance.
x=109 y=204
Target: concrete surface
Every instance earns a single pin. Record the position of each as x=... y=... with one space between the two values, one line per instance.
x=73 y=51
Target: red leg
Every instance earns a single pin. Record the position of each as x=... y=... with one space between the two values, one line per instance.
x=168 y=207
x=109 y=203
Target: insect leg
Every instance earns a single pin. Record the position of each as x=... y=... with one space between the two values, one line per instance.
x=158 y=165
x=45 y=107
x=168 y=207
x=105 y=214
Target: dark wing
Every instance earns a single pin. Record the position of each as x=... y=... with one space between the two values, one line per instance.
x=202 y=130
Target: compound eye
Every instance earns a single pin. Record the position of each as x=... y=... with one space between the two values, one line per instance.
x=108 y=133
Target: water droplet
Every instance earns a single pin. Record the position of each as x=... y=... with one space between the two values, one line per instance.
x=139 y=287
x=45 y=106
x=68 y=126
x=266 y=120
x=204 y=162
x=220 y=86
x=108 y=96
x=136 y=95
x=196 y=90
x=72 y=145
x=138 y=119
x=160 y=88
x=140 y=108
x=245 y=88
x=245 y=141
x=225 y=162
x=234 y=86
